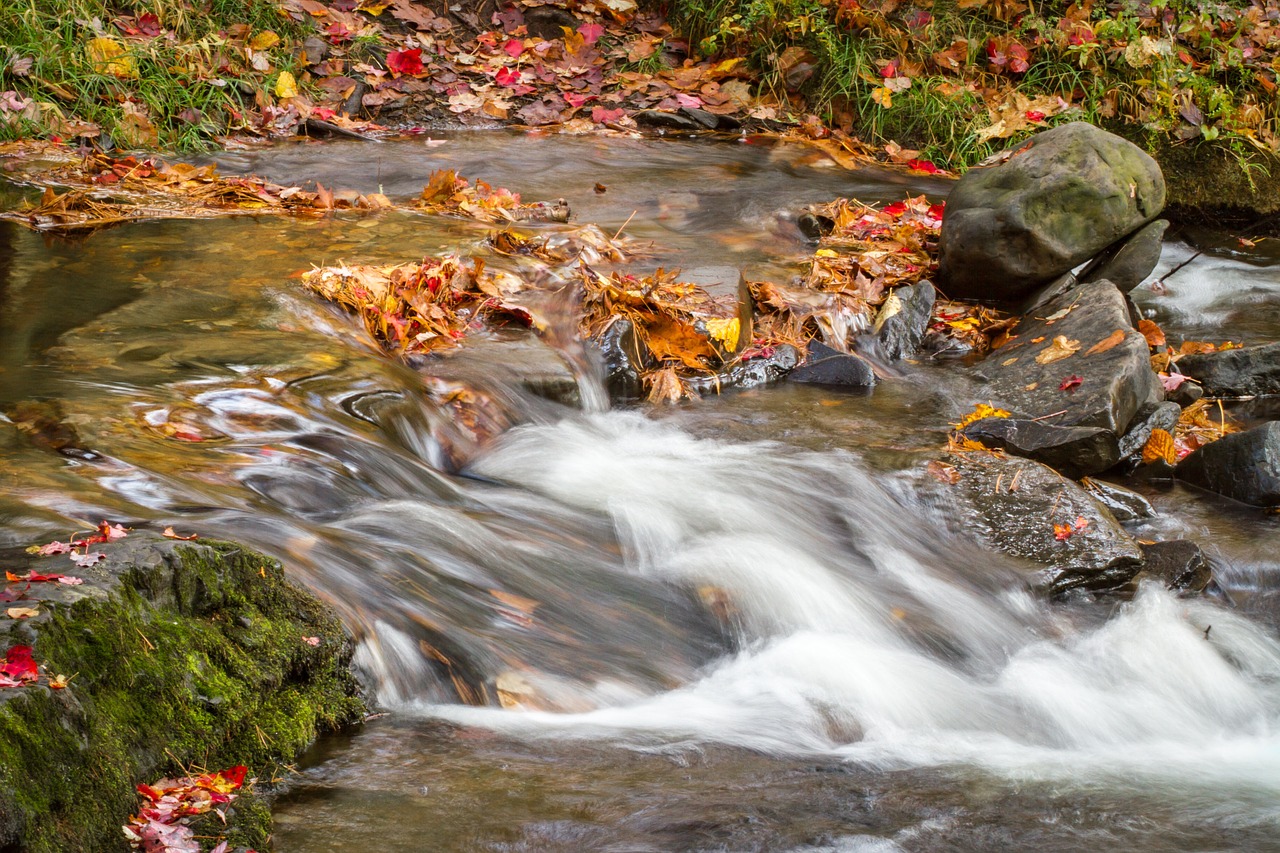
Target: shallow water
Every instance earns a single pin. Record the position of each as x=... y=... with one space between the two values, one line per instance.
x=735 y=625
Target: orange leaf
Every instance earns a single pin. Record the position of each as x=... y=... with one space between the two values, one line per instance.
x=1106 y=343
x=1153 y=333
x=1159 y=446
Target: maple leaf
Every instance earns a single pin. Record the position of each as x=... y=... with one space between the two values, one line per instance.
x=86 y=560
x=18 y=667
x=591 y=32
x=405 y=62
x=1172 y=381
x=111 y=532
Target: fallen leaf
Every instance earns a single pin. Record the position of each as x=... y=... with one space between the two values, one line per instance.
x=286 y=86
x=1159 y=446
x=311 y=641
x=169 y=533
x=22 y=612
x=1058 y=349
x=1106 y=343
x=1153 y=333
x=264 y=40
x=1071 y=383
x=60 y=682
x=943 y=473
x=108 y=56
x=981 y=412
x=1172 y=381
x=86 y=560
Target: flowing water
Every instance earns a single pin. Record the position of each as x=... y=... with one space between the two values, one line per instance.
x=735 y=625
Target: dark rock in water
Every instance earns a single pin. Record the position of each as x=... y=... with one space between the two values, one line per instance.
x=1127 y=264
x=709 y=121
x=1125 y=504
x=623 y=356
x=1179 y=565
x=1244 y=466
x=903 y=319
x=1236 y=372
x=1072 y=451
x=1013 y=505
x=752 y=373
x=1149 y=418
x=1108 y=355
x=668 y=120
x=1056 y=201
x=813 y=226
x=845 y=370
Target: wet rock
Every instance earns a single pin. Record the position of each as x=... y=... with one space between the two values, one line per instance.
x=902 y=321
x=1236 y=372
x=1178 y=564
x=844 y=370
x=1244 y=466
x=1012 y=505
x=1125 y=504
x=1073 y=451
x=1149 y=418
x=813 y=226
x=709 y=121
x=668 y=120
x=1108 y=354
x=511 y=358
x=1127 y=264
x=1186 y=393
x=1055 y=202
x=752 y=373
x=623 y=357
x=728 y=288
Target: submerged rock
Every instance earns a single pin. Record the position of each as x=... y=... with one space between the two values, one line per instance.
x=1236 y=372
x=623 y=358
x=844 y=370
x=1244 y=466
x=1013 y=505
x=1056 y=201
x=752 y=373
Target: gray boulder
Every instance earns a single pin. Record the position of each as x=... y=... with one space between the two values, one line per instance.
x=1012 y=505
x=1056 y=201
x=901 y=322
x=1072 y=451
x=1236 y=372
x=1106 y=352
x=1179 y=564
x=1128 y=263
x=1244 y=466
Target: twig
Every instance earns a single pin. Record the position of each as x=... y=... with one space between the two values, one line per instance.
x=1052 y=415
x=625 y=224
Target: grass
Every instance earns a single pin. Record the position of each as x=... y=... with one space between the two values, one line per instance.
x=158 y=92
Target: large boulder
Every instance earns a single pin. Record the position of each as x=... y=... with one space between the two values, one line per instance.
x=1128 y=263
x=1012 y=505
x=1102 y=380
x=1244 y=466
x=1053 y=203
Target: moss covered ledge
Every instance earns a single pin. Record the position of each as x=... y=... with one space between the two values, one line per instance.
x=183 y=655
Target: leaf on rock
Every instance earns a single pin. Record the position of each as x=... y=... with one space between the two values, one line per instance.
x=1071 y=383
x=981 y=412
x=1058 y=349
x=86 y=560
x=1159 y=446
x=22 y=612
x=1110 y=341
x=169 y=533
x=1153 y=333
x=942 y=472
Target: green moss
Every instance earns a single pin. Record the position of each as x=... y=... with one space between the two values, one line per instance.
x=196 y=660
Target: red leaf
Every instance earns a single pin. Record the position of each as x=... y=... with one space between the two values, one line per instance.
x=149 y=24
x=508 y=77
x=890 y=70
x=923 y=166
x=573 y=99
x=19 y=666
x=1034 y=115
x=338 y=33
x=1071 y=383
x=600 y=115
x=591 y=32
x=514 y=47
x=405 y=61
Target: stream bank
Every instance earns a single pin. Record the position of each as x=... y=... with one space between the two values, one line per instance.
x=178 y=654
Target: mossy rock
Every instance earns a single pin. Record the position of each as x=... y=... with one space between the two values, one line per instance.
x=183 y=655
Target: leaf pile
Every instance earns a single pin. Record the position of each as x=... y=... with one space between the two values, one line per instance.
x=160 y=826
x=448 y=193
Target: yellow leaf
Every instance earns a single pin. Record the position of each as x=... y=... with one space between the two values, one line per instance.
x=1159 y=446
x=981 y=411
x=22 y=612
x=882 y=96
x=286 y=86
x=1058 y=349
x=108 y=57
x=1106 y=343
x=724 y=331
x=827 y=253
x=264 y=40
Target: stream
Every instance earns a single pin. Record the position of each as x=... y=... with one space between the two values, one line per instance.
x=737 y=624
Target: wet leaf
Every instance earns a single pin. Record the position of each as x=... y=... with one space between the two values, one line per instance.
x=1159 y=446
x=405 y=62
x=1153 y=333
x=1172 y=381
x=1110 y=341
x=264 y=40
x=1071 y=383
x=169 y=533
x=86 y=560
x=980 y=412
x=942 y=472
x=1058 y=349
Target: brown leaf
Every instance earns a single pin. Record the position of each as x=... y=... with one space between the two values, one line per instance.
x=22 y=612
x=1106 y=343
x=1153 y=333
x=943 y=473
